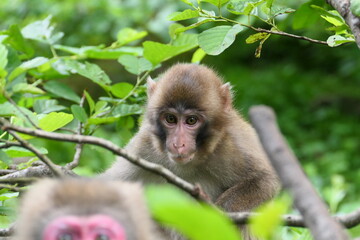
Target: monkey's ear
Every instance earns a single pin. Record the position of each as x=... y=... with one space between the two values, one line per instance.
x=151 y=84
x=226 y=95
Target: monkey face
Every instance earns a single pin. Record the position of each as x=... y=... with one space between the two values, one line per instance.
x=93 y=227
x=181 y=129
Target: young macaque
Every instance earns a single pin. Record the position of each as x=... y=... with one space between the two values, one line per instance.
x=84 y=209
x=191 y=128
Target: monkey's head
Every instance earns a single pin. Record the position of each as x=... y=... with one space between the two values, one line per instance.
x=187 y=108
x=84 y=209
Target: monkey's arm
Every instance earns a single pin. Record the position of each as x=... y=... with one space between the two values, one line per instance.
x=248 y=194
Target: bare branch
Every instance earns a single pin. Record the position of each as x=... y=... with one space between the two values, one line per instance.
x=289 y=35
x=19 y=181
x=312 y=208
x=152 y=167
x=79 y=147
x=31 y=172
x=343 y=7
x=348 y=220
x=6 y=232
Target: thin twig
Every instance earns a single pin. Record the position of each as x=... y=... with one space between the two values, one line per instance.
x=42 y=157
x=10 y=187
x=79 y=147
x=281 y=33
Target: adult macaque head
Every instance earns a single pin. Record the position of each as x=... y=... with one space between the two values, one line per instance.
x=84 y=209
x=183 y=105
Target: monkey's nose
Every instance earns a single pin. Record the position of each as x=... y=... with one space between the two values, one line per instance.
x=177 y=146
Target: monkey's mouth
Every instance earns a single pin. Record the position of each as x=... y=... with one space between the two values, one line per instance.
x=182 y=158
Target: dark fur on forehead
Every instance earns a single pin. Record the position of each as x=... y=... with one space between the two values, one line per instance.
x=189 y=86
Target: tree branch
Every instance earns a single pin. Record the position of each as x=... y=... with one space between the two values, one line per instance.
x=155 y=168
x=343 y=7
x=79 y=147
x=306 y=200
x=348 y=220
x=42 y=157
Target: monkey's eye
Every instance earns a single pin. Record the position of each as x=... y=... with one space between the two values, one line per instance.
x=191 y=120
x=102 y=236
x=170 y=118
x=65 y=236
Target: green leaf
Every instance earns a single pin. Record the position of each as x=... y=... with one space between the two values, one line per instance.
x=126 y=123
x=200 y=22
x=243 y=7
x=5 y=158
x=3 y=60
x=113 y=53
x=79 y=113
x=336 y=40
x=16 y=152
x=100 y=107
x=103 y=120
x=215 y=40
x=198 y=56
x=186 y=14
x=256 y=37
x=355 y=7
x=3 y=56
x=188 y=2
x=127 y=110
x=269 y=218
x=25 y=66
x=127 y=35
x=45 y=106
x=54 y=121
x=27 y=88
x=172 y=207
x=18 y=42
x=98 y=52
x=121 y=90
x=90 y=101
x=157 y=52
x=41 y=31
x=61 y=90
x=217 y=3
x=306 y=16
x=134 y=64
x=6 y=196
x=7 y=110
x=90 y=71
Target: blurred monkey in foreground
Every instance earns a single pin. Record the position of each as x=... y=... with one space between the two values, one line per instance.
x=84 y=209
x=191 y=128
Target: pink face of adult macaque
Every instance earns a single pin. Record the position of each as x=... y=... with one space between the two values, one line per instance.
x=95 y=227
x=84 y=209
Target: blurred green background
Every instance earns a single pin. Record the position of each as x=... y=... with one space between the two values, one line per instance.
x=314 y=89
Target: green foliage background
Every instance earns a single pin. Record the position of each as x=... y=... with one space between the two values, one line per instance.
x=314 y=89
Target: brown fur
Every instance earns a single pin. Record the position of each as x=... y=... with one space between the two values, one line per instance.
x=230 y=165
x=52 y=198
